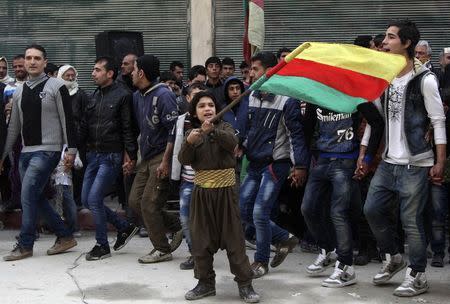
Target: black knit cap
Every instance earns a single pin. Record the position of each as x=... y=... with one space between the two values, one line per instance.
x=150 y=65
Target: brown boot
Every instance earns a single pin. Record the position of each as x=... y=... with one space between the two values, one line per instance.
x=18 y=253
x=62 y=244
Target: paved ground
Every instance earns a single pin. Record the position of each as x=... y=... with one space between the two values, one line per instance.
x=121 y=279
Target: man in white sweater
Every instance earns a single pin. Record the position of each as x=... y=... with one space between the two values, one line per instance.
x=411 y=107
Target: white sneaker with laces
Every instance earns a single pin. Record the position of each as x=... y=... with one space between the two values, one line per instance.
x=343 y=275
x=391 y=265
x=415 y=283
x=323 y=261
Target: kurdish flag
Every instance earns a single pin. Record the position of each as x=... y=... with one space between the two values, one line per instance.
x=335 y=76
x=254 y=27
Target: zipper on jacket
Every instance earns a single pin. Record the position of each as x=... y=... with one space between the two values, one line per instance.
x=98 y=121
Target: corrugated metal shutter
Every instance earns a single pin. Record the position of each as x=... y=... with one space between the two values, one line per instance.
x=288 y=23
x=229 y=29
x=67 y=29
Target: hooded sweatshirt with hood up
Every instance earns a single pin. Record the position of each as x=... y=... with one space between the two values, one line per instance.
x=238 y=114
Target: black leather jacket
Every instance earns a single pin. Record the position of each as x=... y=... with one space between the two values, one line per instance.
x=79 y=102
x=107 y=124
x=2 y=121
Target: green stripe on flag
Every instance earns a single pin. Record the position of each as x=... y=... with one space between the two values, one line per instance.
x=313 y=92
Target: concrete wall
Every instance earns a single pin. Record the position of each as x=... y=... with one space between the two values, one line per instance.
x=202 y=31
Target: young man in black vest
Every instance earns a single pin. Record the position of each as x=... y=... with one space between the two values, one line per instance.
x=411 y=106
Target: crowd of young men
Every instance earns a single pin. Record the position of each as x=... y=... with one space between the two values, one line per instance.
x=133 y=124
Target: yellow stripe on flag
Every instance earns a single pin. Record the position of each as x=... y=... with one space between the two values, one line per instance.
x=351 y=57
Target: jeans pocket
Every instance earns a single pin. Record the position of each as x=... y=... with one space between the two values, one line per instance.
x=115 y=159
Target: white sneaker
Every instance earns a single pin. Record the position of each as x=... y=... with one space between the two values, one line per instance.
x=343 y=275
x=414 y=284
x=250 y=244
x=154 y=257
x=391 y=265
x=323 y=261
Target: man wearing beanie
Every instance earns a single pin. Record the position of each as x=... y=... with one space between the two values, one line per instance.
x=156 y=112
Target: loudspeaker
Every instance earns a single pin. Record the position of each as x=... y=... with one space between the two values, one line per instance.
x=117 y=44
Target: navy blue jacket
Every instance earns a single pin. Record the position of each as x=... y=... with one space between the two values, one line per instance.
x=156 y=113
x=274 y=130
x=237 y=116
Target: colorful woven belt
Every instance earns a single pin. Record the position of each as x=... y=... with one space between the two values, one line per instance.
x=215 y=178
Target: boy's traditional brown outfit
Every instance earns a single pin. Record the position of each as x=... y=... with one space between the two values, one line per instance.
x=214 y=216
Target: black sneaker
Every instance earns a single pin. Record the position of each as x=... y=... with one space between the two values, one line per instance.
x=365 y=255
x=202 y=290
x=124 y=236
x=249 y=295
x=259 y=269
x=283 y=250
x=437 y=260
x=188 y=264
x=99 y=252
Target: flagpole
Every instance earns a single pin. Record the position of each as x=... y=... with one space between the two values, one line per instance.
x=230 y=105
x=256 y=85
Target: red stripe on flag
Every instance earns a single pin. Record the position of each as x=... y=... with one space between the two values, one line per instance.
x=349 y=82
x=276 y=68
x=259 y=3
x=246 y=48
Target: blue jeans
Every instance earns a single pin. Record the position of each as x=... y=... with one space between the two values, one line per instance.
x=334 y=175
x=259 y=192
x=437 y=213
x=101 y=173
x=185 y=204
x=35 y=169
x=410 y=185
x=69 y=206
